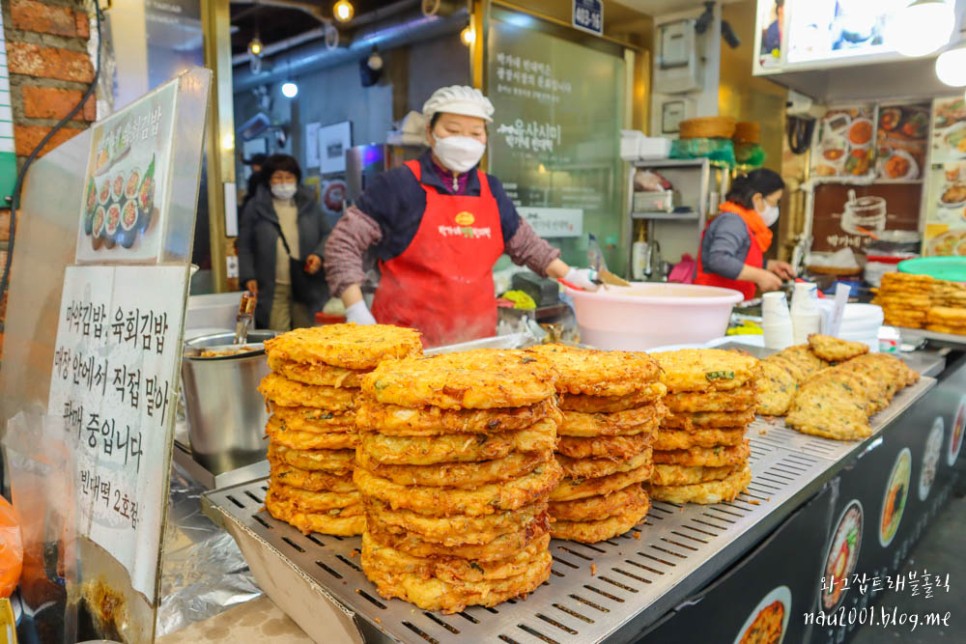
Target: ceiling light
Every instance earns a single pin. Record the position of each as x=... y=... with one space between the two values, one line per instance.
x=343 y=11
x=290 y=89
x=255 y=47
x=951 y=66
x=468 y=36
x=922 y=27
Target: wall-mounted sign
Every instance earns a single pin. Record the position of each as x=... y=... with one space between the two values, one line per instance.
x=8 y=156
x=554 y=222
x=588 y=15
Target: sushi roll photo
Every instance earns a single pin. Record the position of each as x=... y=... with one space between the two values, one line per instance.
x=132 y=184
x=145 y=197
x=97 y=227
x=104 y=194
x=117 y=187
x=128 y=231
x=112 y=224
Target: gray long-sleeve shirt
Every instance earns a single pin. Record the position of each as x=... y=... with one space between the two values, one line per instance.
x=725 y=246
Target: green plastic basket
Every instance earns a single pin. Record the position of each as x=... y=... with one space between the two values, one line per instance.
x=952 y=269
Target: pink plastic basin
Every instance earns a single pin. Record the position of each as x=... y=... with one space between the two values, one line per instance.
x=647 y=315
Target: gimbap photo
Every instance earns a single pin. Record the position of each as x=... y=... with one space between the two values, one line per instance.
x=133 y=183
x=112 y=224
x=97 y=227
x=129 y=224
x=117 y=188
x=104 y=194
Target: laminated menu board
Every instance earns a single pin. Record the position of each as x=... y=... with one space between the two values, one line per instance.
x=901 y=142
x=945 y=208
x=123 y=214
x=845 y=144
x=847 y=216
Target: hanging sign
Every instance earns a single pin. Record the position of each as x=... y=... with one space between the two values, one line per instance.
x=588 y=16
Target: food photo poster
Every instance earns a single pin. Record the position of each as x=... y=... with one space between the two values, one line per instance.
x=123 y=212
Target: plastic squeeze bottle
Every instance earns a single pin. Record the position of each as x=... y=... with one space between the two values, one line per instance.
x=639 y=259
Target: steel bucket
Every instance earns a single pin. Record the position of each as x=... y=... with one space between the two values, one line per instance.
x=226 y=414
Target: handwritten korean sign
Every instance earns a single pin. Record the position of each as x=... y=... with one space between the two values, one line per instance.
x=113 y=386
x=554 y=222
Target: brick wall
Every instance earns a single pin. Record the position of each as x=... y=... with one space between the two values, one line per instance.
x=50 y=70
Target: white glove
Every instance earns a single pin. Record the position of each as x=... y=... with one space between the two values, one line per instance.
x=582 y=277
x=359 y=313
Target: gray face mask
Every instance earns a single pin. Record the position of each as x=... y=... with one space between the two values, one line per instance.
x=284 y=191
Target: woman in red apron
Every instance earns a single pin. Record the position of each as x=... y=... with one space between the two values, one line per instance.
x=436 y=227
x=734 y=243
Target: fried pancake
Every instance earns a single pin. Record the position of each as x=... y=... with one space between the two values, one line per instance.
x=335 y=522
x=689 y=370
x=485 y=499
x=598 y=373
x=596 y=508
x=832 y=349
x=309 y=440
x=947 y=315
x=349 y=346
x=610 y=447
x=457 y=448
x=503 y=546
x=309 y=480
x=436 y=594
x=433 y=421
x=676 y=475
x=648 y=395
x=743 y=399
x=776 y=389
x=452 y=569
x=310 y=419
x=584 y=468
x=676 y=439
x=457 y=529
x=705 y=456
x=603 y=529
x=311 y=373
x=288 y=393
x=457 y=475
x=642 y=420
x=316 y=460
x=802 y=355
x=478 y=379
x=707 y=493
x=796 y=371
x=307 y=501
x=573 y=489
x=700 y=420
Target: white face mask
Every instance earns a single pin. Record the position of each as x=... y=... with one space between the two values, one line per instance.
x=458 y=153
x=284 y=191
x=770 y=216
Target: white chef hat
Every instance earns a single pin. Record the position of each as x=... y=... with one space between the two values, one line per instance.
x=459 y=99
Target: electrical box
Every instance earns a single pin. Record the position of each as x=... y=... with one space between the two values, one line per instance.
x=679 y=66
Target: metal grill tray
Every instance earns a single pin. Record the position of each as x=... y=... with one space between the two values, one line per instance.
x=610 y=590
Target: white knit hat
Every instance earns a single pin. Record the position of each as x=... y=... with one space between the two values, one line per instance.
x=459 y=99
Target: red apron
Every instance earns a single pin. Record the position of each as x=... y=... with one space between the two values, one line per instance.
x=755 y=258
x=442 y=284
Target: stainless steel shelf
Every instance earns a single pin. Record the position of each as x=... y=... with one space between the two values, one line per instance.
x=923 y=334
x=596 y=592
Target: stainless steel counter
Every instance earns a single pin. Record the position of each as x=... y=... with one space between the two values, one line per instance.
x=608 y=591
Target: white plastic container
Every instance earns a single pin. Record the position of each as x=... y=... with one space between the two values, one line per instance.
x=647 y=315
x=806 y=317
x=889 y=339
x=776 y=322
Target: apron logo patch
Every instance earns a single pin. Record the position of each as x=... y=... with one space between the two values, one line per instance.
x=465 y=219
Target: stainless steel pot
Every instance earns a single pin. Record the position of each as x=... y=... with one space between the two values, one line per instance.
x=226 y=414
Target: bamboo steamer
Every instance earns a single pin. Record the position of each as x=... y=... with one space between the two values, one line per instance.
x=708 y=127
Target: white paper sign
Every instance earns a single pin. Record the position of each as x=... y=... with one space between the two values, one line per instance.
x=554 y=222
x=113 y=385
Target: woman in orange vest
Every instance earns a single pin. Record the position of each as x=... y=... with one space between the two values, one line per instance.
x=734 y=243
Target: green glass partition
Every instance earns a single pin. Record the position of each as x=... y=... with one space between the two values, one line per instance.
x=555 y=139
